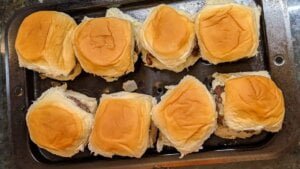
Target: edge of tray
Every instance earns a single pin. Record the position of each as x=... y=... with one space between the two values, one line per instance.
x=278 y=36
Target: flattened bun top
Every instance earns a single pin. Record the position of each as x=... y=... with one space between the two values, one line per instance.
x=227 y=32
x=253 y=103
x=104 y=46
x=53 y=127
x=168 y=34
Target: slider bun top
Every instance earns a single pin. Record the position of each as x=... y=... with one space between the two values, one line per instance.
x=104 y=46
x=186 y=115
x=57 y=124
x=227 y=32
x=253 y=103
x=44 y=44
x=122 y=125
x=168 y=34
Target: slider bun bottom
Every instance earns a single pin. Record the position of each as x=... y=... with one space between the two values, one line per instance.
x=154 y=63
x=73 y=74
x=227 y=133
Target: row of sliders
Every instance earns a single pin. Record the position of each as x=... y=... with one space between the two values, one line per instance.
x=52 y=44
x=239 y=105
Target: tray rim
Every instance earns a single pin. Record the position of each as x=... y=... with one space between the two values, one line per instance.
x=268 y=151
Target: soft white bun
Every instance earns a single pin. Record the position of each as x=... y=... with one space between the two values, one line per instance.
x=227 y=32
x=122 y=125
x=107 y=52
x=172 y=49
x=244 y=89
x=185 y=116
x=60 y=121
x=44 y=45
x=117 y=13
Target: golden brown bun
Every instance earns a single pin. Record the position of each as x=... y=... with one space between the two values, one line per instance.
x=117 y=13
x=227 y=32
x=186 y=115
x=242 y=131
x=104 y=47
x=223 y=130
x=44 y=45
x=56 y=123
x=122 y=125
x=168 y=36
x=253 y=103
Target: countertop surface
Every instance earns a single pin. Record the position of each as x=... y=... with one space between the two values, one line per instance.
x=290 y=160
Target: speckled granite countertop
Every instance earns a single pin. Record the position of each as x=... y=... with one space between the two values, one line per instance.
x=290 y=160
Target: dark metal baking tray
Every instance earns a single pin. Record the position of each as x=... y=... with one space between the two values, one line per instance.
x=274 y=55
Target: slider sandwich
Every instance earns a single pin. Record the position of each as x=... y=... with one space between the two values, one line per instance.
x=60 y=121
x=105 y=46
x=122 y=125
x=185 y=116
x=227 y=33
x=247 y=103
x=167 y=39
x=43 y=44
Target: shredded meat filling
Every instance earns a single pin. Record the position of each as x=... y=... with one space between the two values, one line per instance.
x=220 y=120
x=136 y=49
x=195 y=51
x=217 y=92
x=149 y=59
x=79 y=104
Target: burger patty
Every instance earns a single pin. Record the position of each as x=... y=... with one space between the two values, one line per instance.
x=80 y=104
